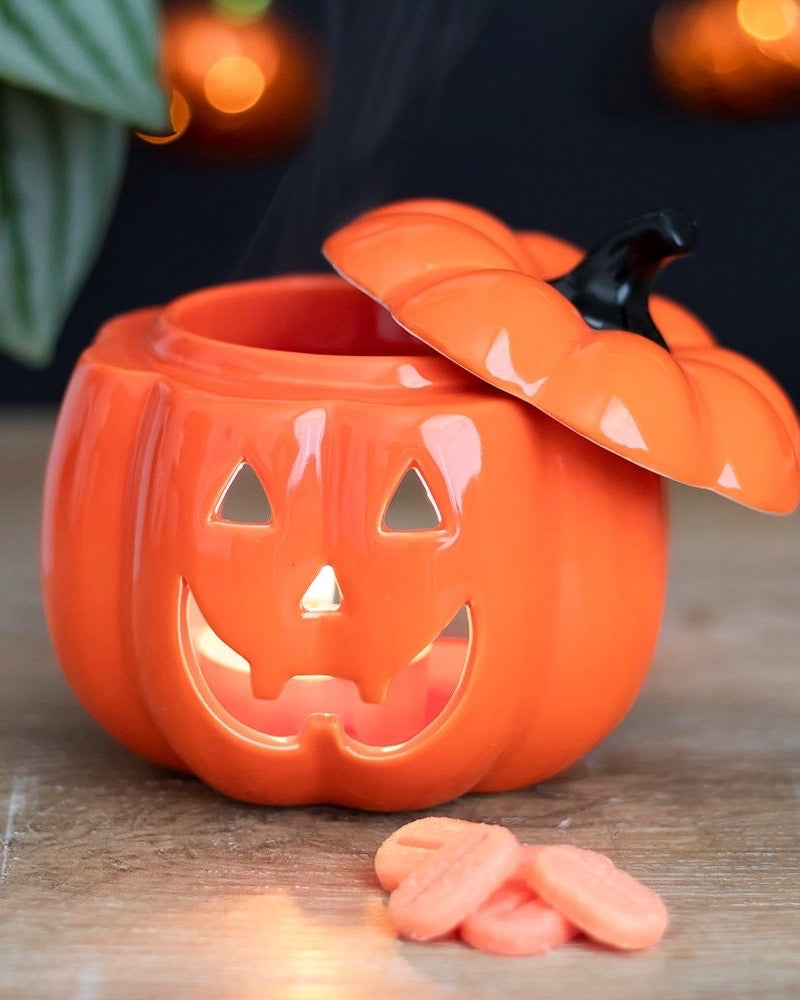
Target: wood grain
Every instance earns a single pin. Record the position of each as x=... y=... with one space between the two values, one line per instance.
x=120 y=880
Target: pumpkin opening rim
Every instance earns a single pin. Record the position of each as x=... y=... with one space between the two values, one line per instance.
x=175 y=341
x=285 y=314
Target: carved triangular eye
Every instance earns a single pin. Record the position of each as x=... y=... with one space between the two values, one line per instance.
x=244 y=499
x=412 y=507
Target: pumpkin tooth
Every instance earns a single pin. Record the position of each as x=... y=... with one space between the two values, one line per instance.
x=268 y=687
x=373 y=690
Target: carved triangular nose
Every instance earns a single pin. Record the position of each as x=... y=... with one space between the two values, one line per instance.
x=323 y=595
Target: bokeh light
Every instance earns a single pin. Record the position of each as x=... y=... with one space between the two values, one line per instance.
x=767 y=20
x=244 y=9
x=233 y=84
x=179 y=117
x=246 y=87
x=738 y=57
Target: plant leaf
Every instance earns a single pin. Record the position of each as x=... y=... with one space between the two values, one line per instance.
x=60 y=168
x=98 y=54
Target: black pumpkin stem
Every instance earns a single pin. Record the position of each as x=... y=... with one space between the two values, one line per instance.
x=611 y=285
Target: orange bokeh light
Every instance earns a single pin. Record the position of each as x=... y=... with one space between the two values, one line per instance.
x=251 y=86
x=767 y=20
x=730 y=56
x=180 y=115
x=233 y=84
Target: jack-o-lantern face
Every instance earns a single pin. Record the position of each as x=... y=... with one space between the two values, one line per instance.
x=324 y=608
x=314 y=646
x=322 y=615
x=370 y=709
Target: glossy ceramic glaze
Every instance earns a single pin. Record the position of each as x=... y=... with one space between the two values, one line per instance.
x=222 y=646
x=480 y=294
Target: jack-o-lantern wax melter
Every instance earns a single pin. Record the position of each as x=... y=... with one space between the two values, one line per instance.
x=303 y=653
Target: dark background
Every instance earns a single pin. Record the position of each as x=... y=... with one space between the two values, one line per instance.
x=541 y=111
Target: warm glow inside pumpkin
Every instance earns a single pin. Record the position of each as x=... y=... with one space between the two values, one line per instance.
x=417 y=695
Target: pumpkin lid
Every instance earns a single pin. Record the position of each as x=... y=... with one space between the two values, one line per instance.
x=580 y=338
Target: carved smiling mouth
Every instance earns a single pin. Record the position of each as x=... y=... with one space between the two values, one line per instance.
x=420 y=695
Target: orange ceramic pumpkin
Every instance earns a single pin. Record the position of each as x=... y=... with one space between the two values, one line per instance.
x=155 y=598
x=303 y=655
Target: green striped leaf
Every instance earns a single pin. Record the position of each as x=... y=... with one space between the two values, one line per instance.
x=60 y=168
x=100 y=55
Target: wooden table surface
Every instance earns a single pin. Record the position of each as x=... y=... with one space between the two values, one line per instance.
x=121 y=880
